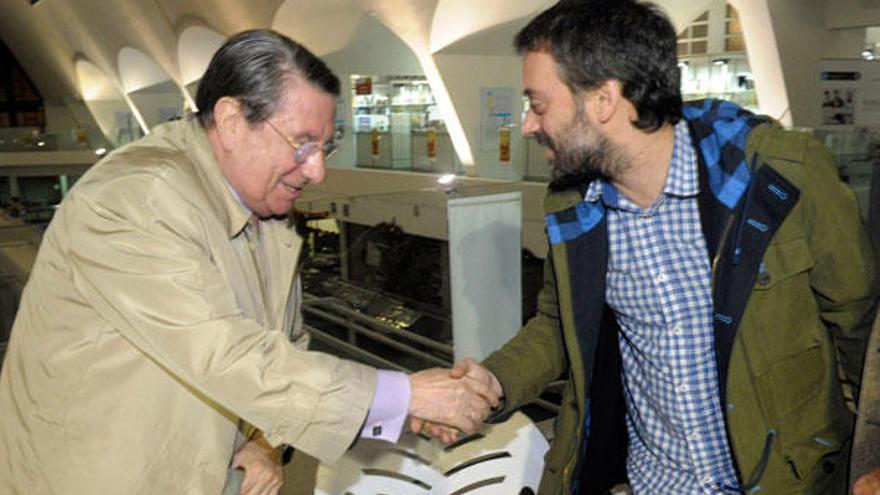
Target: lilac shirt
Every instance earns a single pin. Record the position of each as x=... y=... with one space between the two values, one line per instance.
x=389 y=408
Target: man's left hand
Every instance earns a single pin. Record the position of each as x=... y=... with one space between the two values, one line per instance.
x=262 y=468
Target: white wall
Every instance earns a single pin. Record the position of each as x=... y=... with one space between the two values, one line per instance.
x=804 y=41
x=465 y=76
x=852 y=13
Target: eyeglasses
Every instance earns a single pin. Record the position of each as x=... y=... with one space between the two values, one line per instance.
x=303 y=151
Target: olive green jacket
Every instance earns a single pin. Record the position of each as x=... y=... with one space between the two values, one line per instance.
x=791 y=313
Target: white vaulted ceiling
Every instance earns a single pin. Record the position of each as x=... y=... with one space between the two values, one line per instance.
x=177 y=35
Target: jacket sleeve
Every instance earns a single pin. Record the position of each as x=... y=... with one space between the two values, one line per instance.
x=843 y=277
x=146 y=269
x=536 y=356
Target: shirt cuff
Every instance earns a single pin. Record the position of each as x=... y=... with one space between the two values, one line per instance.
x=390 y=406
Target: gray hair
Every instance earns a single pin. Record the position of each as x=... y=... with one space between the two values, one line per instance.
x=253 y=67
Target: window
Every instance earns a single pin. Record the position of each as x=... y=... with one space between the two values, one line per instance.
x=21 y=105
x=733 y=37
x=694 y=39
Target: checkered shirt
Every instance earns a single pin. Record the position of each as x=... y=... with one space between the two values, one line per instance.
x=659 y=280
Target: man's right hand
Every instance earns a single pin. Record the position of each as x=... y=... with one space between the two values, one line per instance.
x=475 y=371
x=446 y=417
x=452 y=398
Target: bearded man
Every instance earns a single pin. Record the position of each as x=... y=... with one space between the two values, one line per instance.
x=709 y=286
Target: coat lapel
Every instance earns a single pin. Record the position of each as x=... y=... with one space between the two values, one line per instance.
x=736 y=248
x=284 y=246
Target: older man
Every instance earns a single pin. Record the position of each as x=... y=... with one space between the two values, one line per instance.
x=152 y=348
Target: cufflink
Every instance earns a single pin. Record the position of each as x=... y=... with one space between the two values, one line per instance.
x=377 y=430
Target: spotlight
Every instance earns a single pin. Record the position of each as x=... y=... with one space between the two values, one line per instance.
x=101 y=151
x=447 y=182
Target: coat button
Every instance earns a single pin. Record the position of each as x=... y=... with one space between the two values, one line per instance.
x=764 y=278
x=828 y=467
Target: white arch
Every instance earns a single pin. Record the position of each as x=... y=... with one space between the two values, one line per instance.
x=683 y=12
x=457 y=19
x=195 y=47
x=138 y=71
x=118 y=119
x=151 y=90
x=764 y=59
x=323 y=27
x=94 y=83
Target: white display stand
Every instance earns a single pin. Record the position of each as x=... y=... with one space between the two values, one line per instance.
x=502 y=459
x=485 y=258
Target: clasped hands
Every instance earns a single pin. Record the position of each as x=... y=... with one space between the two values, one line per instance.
x=447 y=402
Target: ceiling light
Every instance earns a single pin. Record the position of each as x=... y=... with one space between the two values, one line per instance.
x=101 y=151
x=719 y=61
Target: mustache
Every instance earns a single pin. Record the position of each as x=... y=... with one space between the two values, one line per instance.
x=544 y=140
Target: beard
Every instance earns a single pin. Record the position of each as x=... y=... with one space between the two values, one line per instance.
x=581 y=156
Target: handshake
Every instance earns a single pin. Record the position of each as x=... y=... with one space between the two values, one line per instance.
x=447 y=402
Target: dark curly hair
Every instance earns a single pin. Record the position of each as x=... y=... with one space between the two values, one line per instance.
x=594 y=41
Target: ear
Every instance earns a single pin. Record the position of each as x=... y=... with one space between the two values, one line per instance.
x=607 y=98
x=228 y=121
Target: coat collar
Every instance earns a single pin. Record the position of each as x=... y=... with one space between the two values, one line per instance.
x=195 y=141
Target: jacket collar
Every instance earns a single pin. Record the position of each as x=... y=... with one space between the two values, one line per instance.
x=198 y=147
x=720 y=130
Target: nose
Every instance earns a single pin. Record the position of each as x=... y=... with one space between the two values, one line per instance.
x=530 y=124
x=314 y=169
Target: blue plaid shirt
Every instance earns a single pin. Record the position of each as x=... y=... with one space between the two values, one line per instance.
x=659 y=285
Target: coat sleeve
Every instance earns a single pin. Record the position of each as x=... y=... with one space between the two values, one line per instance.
x=536 y=355
x=843 y=277
x=146 y=269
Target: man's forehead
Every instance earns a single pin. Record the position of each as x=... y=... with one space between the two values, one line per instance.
x=307 y=113
x=540 y=75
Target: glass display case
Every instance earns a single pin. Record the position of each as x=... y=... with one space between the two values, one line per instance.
x=397 y=125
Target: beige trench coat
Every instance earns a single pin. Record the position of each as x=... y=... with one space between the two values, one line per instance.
x=143 y=338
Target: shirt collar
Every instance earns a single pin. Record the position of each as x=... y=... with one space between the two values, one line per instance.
x=682 y=179
x=238 y=198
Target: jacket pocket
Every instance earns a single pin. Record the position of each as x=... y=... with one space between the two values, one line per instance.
x=819 y=461
x=781 y=321
x=782 y=261
x=796 y=380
